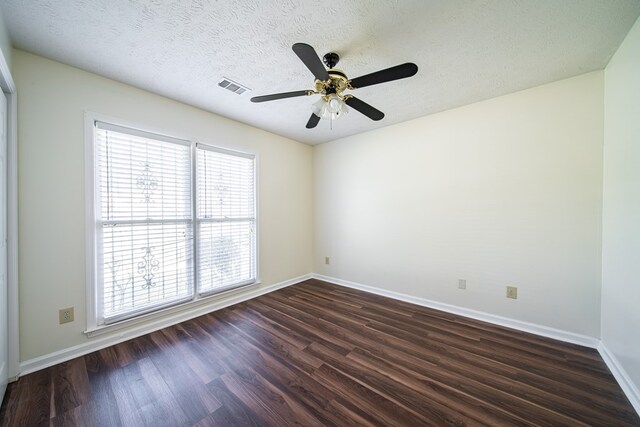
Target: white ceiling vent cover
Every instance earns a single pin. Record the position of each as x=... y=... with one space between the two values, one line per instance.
x=234 y=87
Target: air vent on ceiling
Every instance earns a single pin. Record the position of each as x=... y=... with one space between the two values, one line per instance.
x=234 y=87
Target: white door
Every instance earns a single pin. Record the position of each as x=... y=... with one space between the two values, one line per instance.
x=3 y=246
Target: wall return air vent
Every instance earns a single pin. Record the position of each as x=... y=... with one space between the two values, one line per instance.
x=234 y=87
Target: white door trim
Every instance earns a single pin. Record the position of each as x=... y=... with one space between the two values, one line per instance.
x=9 y=88
x=12 y=236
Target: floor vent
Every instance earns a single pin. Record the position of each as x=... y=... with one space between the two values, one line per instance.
x=234 y=87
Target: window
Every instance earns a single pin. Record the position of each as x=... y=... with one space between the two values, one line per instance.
x=166 y=231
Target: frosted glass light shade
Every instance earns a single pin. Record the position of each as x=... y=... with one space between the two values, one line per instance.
x=331 y=109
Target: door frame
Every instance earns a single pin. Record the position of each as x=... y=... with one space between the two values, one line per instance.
x=9 y=88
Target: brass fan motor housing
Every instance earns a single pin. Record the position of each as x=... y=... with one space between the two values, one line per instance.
x=337 y=83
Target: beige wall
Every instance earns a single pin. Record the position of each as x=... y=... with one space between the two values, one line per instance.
x=52 y=99
x=503 y=192
x=621 y=211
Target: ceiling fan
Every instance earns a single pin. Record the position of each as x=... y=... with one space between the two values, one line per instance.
x=332 y=83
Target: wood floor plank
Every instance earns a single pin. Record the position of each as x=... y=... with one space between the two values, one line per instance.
x=28 y=401
x=242 y=385
x=317 y=354
x=369 y=404
x=184 y=384
x=234 y=412
x=102 y=404
x=168 y=407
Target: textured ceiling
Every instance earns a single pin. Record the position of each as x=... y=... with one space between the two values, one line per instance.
x=466 y=51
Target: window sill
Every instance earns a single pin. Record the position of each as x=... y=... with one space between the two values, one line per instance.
x=160 y=316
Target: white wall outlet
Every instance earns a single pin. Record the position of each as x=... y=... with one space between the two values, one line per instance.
x=65 y=315
x=512 y=292
x=462 y=284
x=326 y=260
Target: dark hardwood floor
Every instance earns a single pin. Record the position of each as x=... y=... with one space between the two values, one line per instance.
x=318 y=354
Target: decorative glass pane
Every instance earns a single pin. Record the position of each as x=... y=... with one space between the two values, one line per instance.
x=144 y=265
x=141 y=178
x=225 y=186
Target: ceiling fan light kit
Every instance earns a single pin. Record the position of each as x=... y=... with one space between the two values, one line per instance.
x=330 y=107
x=331 y=84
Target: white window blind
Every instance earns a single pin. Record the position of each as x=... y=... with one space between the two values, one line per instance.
x=144 y=227
x=226 y=221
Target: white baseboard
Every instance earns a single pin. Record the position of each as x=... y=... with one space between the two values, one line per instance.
x=94 y=344
x=544 y=331
x=626 y=384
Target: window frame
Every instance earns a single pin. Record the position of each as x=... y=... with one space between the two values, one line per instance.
x=96 y=325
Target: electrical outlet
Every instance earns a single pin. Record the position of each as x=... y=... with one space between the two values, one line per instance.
x=512 y=292
x=65 y=315
x=326 y=260
x=462 y=284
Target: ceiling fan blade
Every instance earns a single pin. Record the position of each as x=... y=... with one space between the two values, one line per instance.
x=394 y=73
x=313 y=121
x=283 y=95
x=364 y=108
x=308 y=55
